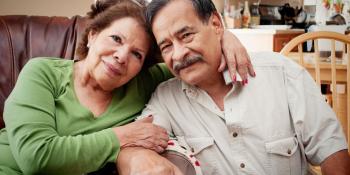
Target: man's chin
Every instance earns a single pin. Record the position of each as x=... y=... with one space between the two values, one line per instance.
x=189 y=79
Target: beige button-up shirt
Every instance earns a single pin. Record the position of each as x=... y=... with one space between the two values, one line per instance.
x=270 y=126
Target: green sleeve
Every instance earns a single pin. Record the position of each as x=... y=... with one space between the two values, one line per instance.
x=160 y=73
x=35 y=144
x=154 y=76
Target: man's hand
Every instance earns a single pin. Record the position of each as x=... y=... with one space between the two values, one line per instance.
x=336 y=164
x=142 y=133
x=140 y=161
x=235 y=57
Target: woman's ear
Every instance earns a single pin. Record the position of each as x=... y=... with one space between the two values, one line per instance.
x=217 y=23
x=91 y=37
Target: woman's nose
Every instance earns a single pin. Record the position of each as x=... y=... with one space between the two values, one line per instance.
x=121 y=55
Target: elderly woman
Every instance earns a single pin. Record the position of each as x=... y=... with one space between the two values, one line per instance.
x=72 y=117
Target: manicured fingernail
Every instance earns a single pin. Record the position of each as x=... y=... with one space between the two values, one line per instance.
x=234 y=78
x=246 y=81
x=243 y=82
x=254 y=74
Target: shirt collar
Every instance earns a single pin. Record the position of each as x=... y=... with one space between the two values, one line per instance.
x=185 y=86
x=193 y=91
x=189 y=90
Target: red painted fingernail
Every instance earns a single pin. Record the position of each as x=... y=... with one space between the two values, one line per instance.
x=243 y=82
x=234 y=78
x=246 y=81
x=170 y=143
x=197 y=163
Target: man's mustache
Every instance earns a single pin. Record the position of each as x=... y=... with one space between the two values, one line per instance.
x=186 y=62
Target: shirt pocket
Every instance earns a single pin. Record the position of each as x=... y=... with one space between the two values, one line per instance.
x=203 y=148
x=284 y=156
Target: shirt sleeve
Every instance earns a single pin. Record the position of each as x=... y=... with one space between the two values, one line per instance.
x=35 y=144
x=161 y=118
x=315 y=122
x=158 y=111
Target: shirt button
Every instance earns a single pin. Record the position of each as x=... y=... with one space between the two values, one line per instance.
x=234 y=134
x=242 y=165
x=289 y=151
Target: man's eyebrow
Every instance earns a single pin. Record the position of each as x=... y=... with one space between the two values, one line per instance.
x=182 y=30
x=178 y=32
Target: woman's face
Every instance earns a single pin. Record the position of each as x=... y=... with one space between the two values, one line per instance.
x=116 y=54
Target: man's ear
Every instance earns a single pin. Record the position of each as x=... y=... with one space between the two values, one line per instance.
x=216 y=22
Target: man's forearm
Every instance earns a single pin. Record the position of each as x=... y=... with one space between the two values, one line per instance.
x=135 y=160
x=129 y=157
x=337 y=164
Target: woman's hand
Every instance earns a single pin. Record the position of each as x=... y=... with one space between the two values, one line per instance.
x=136 y=160
x=235 y=57
x=142 y=133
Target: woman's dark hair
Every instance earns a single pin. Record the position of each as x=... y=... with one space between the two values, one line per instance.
x=104 y=12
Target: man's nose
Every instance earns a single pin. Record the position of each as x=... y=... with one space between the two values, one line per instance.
x=179 y=52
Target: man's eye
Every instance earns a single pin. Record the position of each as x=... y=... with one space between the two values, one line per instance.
x=116 y=38
x=186 y=35
x=165 y=47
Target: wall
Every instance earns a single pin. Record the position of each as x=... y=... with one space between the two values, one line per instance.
x=78 y=7
x=45 y=7
x=281 y=2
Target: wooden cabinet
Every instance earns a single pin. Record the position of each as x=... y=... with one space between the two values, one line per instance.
x=281 y=39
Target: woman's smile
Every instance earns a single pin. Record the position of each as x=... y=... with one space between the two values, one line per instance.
x=112 y=70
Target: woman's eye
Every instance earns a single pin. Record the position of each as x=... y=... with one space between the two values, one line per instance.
x=137 y=55
x=116 y=38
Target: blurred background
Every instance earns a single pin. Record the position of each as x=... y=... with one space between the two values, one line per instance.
x=45 y=7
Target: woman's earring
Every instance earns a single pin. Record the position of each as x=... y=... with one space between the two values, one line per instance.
x=95 y=3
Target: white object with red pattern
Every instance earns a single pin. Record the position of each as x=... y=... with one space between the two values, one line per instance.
x=173 y=145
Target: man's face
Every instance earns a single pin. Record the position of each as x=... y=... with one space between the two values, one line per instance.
x=190 y=48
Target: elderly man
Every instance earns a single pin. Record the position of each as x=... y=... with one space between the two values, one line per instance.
x=275 y=125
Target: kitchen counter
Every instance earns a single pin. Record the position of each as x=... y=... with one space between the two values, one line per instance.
x=265 y=31
x=256 y=40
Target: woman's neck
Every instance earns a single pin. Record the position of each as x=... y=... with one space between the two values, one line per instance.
x=87 y=91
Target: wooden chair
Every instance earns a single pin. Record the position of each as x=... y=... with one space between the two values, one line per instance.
x=326 y=72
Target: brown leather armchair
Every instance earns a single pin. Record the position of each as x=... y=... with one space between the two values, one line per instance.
x=25 y=37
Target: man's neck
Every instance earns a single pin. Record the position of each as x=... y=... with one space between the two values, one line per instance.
x=216 y=89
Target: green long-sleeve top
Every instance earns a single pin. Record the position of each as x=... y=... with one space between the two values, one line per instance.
x=49 y=132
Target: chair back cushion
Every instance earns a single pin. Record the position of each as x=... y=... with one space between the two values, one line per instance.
x=25 y=37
